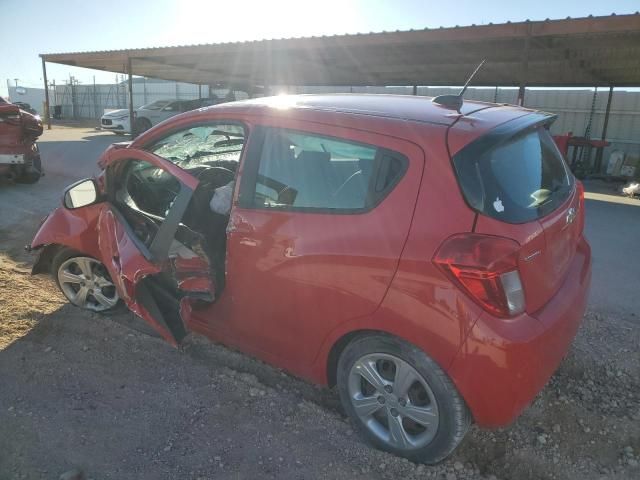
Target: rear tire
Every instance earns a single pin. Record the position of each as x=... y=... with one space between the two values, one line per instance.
x=31 y=172
x=400 y=400
x=74 y=271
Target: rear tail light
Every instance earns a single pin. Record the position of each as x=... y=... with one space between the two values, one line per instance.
x=486 y=267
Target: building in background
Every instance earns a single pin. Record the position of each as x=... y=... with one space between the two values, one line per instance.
x=32 y=96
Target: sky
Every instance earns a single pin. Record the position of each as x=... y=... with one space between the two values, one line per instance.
x=31 y=27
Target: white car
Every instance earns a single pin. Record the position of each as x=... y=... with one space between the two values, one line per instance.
x=116 y=120
x=151 y=114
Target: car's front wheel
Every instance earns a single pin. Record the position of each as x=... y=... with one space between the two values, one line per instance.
x=141 y=125
x=400 y=399
x=85 y=282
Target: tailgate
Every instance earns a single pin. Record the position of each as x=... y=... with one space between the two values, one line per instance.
x=515 y=178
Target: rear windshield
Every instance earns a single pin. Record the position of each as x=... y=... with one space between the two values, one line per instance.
x=516 y=180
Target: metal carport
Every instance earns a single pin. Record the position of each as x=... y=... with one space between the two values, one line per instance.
x=592 y=51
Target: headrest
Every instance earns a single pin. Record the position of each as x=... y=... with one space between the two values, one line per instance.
x=310 y=156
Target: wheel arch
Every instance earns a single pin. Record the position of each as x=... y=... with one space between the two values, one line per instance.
x=64 y=228
x=341 y=343
x=44 y=262
x=338 y=347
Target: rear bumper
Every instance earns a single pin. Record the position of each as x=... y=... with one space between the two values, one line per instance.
x=503 y=364
x=17 y=154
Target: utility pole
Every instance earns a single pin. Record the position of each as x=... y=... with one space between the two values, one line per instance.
x=73 y=96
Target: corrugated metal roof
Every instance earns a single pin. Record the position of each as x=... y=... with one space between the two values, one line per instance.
x=568 y=52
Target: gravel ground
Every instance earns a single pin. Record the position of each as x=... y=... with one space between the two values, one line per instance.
x=99 y=397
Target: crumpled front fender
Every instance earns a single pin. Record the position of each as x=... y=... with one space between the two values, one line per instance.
x=75 y=229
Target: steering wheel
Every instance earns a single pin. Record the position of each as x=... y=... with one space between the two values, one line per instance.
x=214 y=176
x=144 y=196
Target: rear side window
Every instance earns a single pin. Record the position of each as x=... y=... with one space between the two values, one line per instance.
x=302 y=171
x=516 y=179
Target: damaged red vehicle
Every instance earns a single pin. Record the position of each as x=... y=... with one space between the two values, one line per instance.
x=428 y=260
x=19 y=155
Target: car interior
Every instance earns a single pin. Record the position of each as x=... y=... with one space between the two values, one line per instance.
x=296 y=170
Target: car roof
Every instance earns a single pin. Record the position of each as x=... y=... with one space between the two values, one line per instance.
x=401 y=107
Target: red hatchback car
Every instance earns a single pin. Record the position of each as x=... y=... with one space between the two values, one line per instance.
x=429 y=262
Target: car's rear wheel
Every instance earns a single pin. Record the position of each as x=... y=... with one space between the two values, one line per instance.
x=85 y=282
x=31 y=172
x=141 y=125
x=400 y=399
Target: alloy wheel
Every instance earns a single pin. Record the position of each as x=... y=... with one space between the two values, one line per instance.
x=393 y=401
x=86 y=283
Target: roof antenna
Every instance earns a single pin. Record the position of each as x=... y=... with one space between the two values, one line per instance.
x=455 y=101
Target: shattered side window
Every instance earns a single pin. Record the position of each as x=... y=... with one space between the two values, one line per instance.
x=203 y=145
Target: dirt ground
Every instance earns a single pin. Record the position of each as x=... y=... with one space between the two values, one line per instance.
x=105 y=398
x=96 y=394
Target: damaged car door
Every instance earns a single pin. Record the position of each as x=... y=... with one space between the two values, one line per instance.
x=155 y=261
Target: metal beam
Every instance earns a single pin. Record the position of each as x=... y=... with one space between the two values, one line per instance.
x=598 y=51
x=47 y=112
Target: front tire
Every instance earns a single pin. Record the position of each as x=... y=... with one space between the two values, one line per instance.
x=85 y=282
x=400 y=400
x=141 y=125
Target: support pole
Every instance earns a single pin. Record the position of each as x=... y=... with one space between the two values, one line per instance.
x=524 y=69
x=131 y=119
x=144 y=89
x=95 y=100
x=46 y=94
x=605 y=125
x=415 y=90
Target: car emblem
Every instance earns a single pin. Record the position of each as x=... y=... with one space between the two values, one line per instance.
x=571 y=216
